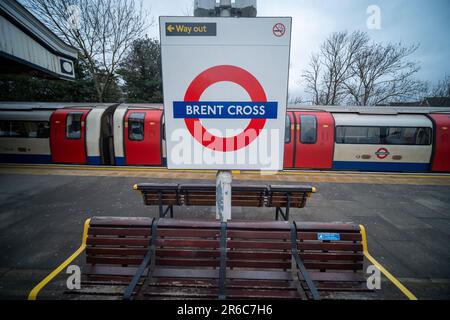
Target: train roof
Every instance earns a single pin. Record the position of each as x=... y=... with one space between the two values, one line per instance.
x=30 y=106
x=158 y=106
x=392 y=110
x=401 y=120
x=388 y=110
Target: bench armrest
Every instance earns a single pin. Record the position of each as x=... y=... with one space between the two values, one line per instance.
x=388 y=275
x=35 y=291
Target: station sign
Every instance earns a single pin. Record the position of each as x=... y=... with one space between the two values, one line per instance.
x=225 y=84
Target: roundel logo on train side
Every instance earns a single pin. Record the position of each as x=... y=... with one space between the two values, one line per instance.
x=192 y=109
x=382 y=153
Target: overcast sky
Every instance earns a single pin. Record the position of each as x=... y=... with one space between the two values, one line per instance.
x=408 y=21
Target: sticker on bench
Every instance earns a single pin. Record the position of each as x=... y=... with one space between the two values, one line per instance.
x=328 y=236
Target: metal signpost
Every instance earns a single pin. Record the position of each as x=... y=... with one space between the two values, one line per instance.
x=225 y=93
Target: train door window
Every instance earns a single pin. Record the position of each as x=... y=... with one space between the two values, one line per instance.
x=287 y=130
x=73 y=125
x=136 y=126
x=308 y=129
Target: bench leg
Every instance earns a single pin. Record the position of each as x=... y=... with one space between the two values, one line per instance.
x=161 y=212
x=285 y=214
x=279 y=212
x=288 y=206
x=169 y=208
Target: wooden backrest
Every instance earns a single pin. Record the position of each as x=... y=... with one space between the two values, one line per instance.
x=331 y=254
x=198 y=194
x=278 y=195
x=205 y=195
x=241 y=195
x=153 y=192
x=116 y=246
x=188 y=244
x=248 y=195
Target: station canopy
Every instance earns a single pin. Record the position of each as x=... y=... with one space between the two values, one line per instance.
x=28 y=46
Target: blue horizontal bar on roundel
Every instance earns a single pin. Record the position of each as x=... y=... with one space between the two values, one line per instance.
x=225 y=109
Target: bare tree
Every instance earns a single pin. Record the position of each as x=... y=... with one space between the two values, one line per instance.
x=442 y=89
x=295 y=99
x=311 y=78
x=350 y=69
x=330 y=68
x=381 y=74
x=188 y=9
x=103 y=34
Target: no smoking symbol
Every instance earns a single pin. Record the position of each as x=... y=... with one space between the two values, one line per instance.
x=279 y=29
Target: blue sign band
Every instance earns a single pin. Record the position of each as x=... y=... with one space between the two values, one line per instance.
x=225 y=110
x=328 y=236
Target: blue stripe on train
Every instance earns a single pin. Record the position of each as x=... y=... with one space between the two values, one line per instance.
x=381 y=166
x=94 y=160
x=25 y=158
x=120 y=161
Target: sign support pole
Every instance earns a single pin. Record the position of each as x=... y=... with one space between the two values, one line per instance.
x=223 y=195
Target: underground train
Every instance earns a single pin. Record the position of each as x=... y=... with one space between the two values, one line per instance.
x=399 y=139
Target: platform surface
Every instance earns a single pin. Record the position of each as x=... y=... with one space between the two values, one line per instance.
x=42 y=211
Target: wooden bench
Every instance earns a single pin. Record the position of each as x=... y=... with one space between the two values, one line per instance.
x=277 y=196
x=145 y=258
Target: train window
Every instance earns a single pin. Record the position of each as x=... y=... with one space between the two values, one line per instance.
x=136 y=126
x=408 y=136
x=4 y=128
x=308 y=129
x=358 y=135
x=73 y=125
x=383 y=135
x=24 y=129
x=287 y=130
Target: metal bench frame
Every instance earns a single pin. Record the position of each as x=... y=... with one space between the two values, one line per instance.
x=149 y=259
x=278 y=196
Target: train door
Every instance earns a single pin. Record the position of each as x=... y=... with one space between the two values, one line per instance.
x=142 y=137
x=289 y=141
x=107 y=136
x=441 y=151
x=68 y=135
x=314 y=140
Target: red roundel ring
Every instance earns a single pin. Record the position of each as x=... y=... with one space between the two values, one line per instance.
x=382 y=153
x=231 y=74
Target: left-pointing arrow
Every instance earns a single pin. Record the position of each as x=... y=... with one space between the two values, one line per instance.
x=170 y=28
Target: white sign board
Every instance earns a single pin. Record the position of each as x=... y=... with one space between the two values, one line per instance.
x=225 y=91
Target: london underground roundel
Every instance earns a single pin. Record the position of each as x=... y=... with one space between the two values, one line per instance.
x=232 y=74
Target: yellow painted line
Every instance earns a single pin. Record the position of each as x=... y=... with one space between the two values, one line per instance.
x=33 y=293
x=98 y=168
x=330 y=174
x=388 y=275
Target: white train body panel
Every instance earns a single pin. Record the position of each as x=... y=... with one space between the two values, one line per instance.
x=382 y=142
x=118 y=124
x=93 y=127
